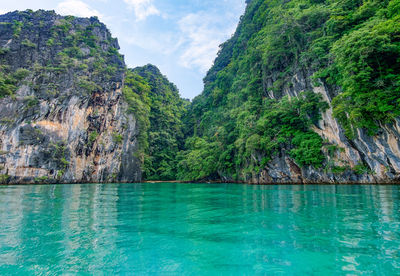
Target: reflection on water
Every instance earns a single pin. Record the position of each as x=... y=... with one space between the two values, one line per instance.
x=218 y=228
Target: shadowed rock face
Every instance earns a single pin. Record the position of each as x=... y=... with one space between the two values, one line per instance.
x=65 y=119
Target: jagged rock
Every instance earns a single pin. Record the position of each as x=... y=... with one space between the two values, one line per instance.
x=381 y=152
x=60 y=120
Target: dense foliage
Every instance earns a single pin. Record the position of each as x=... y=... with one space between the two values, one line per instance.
x=136 y=92
x=243 y=120
x=158 y=108
x=367 y=66
x=250 y=112
x=256 y=140
x=165 y=125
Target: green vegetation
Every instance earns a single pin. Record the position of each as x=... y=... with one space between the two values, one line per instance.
x=4 y=178
x=361 y=169
x=28 y=43
x=242 y=120
x=31 y=101
x=21 y=73
x=50 y=42
x=88 y=86
x=7 y=121
x=41 y=179
x=367 y=62
x=72 y=46
x=165 y=125
x=92 y=138
x=338 y=169
x=258 y=102
x=17 y=28
x=283 y=124
x=117 y=138
x=158 y=109
x=7 y=82
x=83 y=51
x=4 y=51
x=200 y=161
x=136 y=93
x=59 y=155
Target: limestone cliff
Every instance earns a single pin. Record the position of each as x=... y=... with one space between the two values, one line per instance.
x=380 y=153
x=304 y=92
x=63 y=117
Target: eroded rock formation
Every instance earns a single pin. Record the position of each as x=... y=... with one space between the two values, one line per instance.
x=64 y=118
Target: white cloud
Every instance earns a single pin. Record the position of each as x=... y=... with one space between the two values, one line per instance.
x=142 y=8
x=77 y=8
x=203 y=32
x=3 y=11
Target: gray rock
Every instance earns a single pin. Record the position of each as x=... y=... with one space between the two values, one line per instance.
x=60 y=122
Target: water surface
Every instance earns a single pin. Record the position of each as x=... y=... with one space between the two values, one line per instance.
x=198 y=228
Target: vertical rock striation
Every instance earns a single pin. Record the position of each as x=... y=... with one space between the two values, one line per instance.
x=379 y=152
x=63 y=117
x=303 y=92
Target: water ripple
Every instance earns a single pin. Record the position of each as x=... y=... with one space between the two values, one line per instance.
x=197 y=228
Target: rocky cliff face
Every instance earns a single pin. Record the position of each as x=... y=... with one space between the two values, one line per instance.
x=62 y=112
x=255 y=121
x=71 y=112
x=379 y=153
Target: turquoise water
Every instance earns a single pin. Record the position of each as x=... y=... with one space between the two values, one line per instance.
x=201 y=229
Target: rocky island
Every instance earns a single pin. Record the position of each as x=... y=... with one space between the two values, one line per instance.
x=70 y=111
x=301 y=93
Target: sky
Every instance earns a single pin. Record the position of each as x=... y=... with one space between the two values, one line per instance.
x=180 y=37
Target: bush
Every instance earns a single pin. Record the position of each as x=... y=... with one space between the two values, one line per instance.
x=28 y=43
x=21 y=74
x=4 y=178
x=17 y=28
x=117 y=138
x=31 y=101
x=7 y=84
x=41 y=179
x=92 y=138
x=88 y=86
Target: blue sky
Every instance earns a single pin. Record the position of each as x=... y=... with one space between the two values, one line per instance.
x=181 y=37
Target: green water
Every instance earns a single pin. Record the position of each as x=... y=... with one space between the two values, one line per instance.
x=201 y=229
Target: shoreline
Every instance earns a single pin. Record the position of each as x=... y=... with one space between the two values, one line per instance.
x=208 y=182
